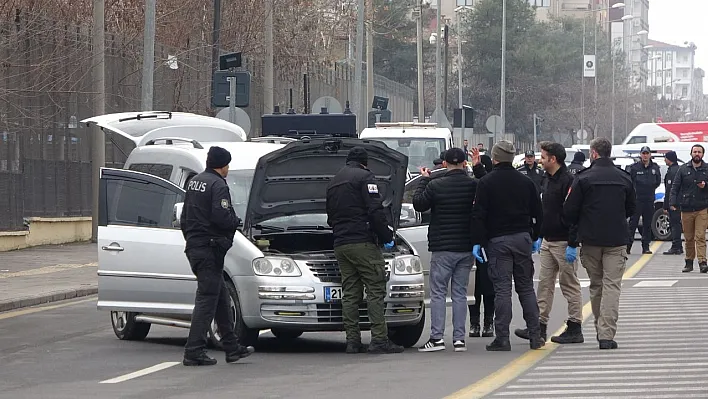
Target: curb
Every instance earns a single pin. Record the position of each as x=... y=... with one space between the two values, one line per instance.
x=49 y=297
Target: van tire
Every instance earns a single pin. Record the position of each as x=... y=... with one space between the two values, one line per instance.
x=408 y=336
x=660 y=226
x=246 y=336
x=126 y=328
x=285 y=334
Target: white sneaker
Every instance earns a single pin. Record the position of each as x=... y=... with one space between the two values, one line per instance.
x=433 y=346
x=459 y=346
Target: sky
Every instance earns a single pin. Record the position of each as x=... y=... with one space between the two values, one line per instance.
x=678 y=21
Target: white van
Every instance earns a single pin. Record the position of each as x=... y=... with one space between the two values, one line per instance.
x=421 y=142
x=672 y=132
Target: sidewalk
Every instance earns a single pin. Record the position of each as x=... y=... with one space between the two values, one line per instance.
x=44 y=274
x=661 y=337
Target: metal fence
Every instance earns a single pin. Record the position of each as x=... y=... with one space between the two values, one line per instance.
x=46 y=89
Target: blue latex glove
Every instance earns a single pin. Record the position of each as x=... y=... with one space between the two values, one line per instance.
x=536 y=247
x=390 y=245
x=571 y=254
x=477 y=252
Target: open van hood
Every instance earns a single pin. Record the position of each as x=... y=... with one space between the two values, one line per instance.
x=141 y=127
x=293 y=180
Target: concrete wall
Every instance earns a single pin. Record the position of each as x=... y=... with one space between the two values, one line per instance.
x=44 y=231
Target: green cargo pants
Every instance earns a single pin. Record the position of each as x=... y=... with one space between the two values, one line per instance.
x=362 y=265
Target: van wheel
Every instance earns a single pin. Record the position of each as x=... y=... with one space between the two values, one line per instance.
x=407 y=336
x=247 y=336
x=126 y=328
x=660 y=225
x=285 y=334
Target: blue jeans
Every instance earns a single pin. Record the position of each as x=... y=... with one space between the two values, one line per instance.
x=449 y=269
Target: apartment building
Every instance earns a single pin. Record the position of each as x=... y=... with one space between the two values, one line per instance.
x=672 y=71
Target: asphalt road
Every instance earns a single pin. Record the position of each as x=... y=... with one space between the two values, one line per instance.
x=66 y=350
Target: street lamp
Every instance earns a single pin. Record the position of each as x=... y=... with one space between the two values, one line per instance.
x=458 y=10
x=640 y=33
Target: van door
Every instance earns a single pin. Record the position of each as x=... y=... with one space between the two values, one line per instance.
x=415 y=231
x=141 y=262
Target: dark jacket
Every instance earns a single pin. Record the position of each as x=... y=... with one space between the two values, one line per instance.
x=354 y=208
x=554 y=190
x=645 y=179
x=208 y=216
x=575 y=167
x=449 y=198
x=535 y=173
x=668 y=183
x=507 y=203
x=601 y=199
x=685 y=193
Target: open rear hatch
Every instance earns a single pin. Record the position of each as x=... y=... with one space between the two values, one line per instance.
x=293 y=180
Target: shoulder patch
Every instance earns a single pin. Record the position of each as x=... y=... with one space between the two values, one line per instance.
x=372 y=188
x=225 y=203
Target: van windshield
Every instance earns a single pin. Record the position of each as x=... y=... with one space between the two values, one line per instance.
x=420 y=151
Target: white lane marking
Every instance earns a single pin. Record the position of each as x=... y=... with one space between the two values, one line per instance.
x=656 y=283
x=140 y=373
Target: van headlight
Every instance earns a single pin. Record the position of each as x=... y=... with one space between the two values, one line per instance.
x=276 y=267
x=406 y=265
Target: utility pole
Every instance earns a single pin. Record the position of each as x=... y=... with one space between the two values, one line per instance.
x=98 y=152
x=369 y=55
x=502 y=111
x=361 y=116
x=215 y=35
x=268 y=73
x=438 y=72
x=582 y=88
x=459 y=72
x=445 y=67
x=148 y=56
x=594 y=22
x=421 y=101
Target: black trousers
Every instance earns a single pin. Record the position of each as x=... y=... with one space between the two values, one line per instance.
x=676 y=229
x=645 y=210
x=212 y=300
x=483 y=292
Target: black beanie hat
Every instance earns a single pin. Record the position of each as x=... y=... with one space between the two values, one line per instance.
x=358 y=154
x=579 y=157
x=217 y=158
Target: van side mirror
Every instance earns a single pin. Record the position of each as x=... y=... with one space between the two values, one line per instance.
x=177 y=214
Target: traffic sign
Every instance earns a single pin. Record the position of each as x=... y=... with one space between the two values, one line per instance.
x=582 y=134
x=242 y=118
x=589 y=69
x=220 y=88
x=493 y=124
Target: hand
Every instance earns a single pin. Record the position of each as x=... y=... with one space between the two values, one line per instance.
x=666 y=211
x=571 y=254
x=536 y=247
x=390 y=245
x=425 y=172
x=474 y=156
x=702 y=184
x=673 y=208
x=477 y=253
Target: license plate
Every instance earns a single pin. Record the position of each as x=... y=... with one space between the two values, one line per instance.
x=333 y=294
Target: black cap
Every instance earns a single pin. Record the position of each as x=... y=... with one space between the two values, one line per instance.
x=645 y=149
x=217 y=157
x=579 y=157
x=455 y=156
x=530 y=153
x=671 y=156
x=358 y=154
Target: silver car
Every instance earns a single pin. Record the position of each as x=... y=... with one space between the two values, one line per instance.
x=281 y=272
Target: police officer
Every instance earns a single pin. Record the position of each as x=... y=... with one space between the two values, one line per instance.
x=209 y=223
x=355 y=212
x=599 y=202
x=576 y=165
x=531 y=169
x=671 y=161
x=646 y=177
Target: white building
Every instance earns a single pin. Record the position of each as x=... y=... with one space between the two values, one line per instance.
x=672 y=71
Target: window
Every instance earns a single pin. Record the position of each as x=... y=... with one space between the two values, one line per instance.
x=190 y=175
x=637 y=140
x=420 y=151
x=684 y=91
x=540 y=3
x=669 y=59
x=139 y=203
x=155 y=169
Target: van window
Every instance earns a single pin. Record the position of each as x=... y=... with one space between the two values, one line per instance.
x=155 y=169
x=637 y=140
x=135 y=203
x=420 y=151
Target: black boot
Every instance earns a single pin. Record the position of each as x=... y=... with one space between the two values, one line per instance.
x=488 y=329
x=499 y=345
x=524 y=333
x=384 y=347
x=238 y=353
x=703 y=266
x=474 y=330
x=629 y=249
x=200 y=359
x=355 y=347
x=646 y=251
x=537 y=343
x=674 y=251
x=608 y=344
x=689 y=266
x=573 y=334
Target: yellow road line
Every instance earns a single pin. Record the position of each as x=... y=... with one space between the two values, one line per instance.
x=23 y=312
x=47 y=270
x=521 y=364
